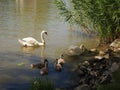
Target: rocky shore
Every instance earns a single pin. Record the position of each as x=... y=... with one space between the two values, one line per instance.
x=98 y=67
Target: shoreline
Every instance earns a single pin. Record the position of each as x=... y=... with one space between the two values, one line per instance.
x=97 y=68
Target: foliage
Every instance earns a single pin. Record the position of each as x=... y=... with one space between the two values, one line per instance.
x=102 y=16
x=42 y=84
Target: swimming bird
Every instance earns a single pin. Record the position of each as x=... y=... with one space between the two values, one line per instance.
x=44 y=70
x=38 y=65
x=75 y=50
x=58 y=66
x=61 y=60
x=30 y=41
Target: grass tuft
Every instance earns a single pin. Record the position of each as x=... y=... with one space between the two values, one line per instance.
x=42 y=84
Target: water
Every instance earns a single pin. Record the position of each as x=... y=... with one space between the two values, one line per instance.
x=22 y=18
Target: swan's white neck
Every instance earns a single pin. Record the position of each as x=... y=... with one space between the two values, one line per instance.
x=42 y=38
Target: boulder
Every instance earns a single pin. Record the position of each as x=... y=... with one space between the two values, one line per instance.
x=115 y=45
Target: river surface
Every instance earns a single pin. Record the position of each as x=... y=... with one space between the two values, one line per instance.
x=22 y=18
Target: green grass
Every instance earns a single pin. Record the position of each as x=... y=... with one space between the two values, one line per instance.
x=42 y=84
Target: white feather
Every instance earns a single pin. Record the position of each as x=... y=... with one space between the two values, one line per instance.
x=30 y=41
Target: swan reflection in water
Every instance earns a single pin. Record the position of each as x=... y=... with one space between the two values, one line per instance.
x=30 y=50
x=43 y=51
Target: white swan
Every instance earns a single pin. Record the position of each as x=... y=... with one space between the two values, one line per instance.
x=30 y=41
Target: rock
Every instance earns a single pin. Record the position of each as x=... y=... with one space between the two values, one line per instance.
x=97 y=69
x=93 y=73
x=82 y=87
x=101 y=53
x=118 y=48
x=99 y=57
x=80 y=72
x=106 y=56
x=82 y=81
x=114 y=67
x=86 y=63
x=83 y=68
x=115 y=45
x=109 y=51
x=105 y=78
x=93 y=50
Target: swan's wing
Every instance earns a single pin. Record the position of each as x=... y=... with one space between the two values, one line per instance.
x=30 y=40
x=24 y=43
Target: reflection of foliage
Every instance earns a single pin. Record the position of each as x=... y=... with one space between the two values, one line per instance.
x=102 y=16
x=21 y=64
x=42 y=84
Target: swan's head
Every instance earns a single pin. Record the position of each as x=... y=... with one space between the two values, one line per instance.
x=42 y=36
x=44 y=32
